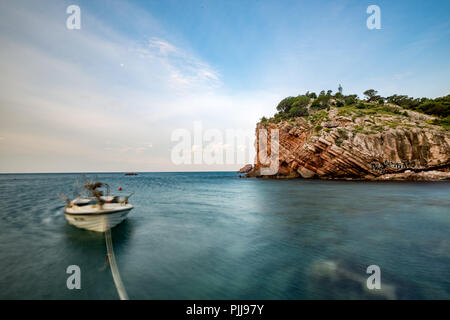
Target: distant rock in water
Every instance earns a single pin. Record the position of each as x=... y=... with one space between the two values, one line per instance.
x=358 y=145
x=131 y=174
x=246 y=169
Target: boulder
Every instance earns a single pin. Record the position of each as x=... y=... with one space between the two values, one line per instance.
x=246 y=169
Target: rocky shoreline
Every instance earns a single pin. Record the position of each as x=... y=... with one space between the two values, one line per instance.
x=357 y=147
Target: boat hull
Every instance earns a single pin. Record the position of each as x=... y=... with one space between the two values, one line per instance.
x=99 y=221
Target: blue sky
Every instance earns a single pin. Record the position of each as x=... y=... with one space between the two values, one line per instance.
x=108 y=96
x=313 y=44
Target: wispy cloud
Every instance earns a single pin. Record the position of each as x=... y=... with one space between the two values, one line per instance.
x=162 y=46
x=72 y=90
x=185 y=71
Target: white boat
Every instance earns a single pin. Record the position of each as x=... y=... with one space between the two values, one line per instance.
x=97 y=213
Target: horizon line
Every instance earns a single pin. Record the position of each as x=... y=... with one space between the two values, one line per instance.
x=92 y=172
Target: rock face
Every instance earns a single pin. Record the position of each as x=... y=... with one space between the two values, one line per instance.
x=246 y=169
x=363 y=148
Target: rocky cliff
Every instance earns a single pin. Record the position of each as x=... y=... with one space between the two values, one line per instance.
x=356 y=144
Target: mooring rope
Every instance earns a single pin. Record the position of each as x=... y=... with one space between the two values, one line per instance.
x=114 y=269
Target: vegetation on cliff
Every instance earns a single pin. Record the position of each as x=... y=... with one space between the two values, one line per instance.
x=310 y=106
x=337 y=136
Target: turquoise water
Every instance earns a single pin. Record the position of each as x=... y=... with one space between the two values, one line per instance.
x=215 y=236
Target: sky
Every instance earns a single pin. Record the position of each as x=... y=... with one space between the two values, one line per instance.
x=109 y=96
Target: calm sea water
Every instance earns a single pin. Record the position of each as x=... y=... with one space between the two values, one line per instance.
x=215 y=236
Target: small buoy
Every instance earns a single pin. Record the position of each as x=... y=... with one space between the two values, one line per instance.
x=120 y=188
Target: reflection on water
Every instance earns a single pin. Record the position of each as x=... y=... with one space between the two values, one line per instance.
x=82 y=238
x=215 y=236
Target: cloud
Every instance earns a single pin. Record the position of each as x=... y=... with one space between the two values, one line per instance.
x=162 y=46
x=64 y=93
x=185 y=70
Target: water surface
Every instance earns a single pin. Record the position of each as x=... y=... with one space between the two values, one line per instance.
x=215 y=236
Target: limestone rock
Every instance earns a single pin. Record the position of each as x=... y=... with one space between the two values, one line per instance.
x=369 y=148
x=246 y=169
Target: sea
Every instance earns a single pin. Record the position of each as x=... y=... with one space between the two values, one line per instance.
x=214 y=235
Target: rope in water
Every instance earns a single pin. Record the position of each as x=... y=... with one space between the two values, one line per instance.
x=114 y=269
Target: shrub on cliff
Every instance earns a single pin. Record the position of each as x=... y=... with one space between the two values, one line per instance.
x=301 y=101
x=322 y=101
x=446 y=123
x=298 y=111
x=318 y=105
x=298 y=106
x=390 y=109
x=286 y=104
x=279 y=116
x=350 y=99
x=339 y=95
x=405 y=101
x=361 y=105
x=371 y=95
x=435 y=108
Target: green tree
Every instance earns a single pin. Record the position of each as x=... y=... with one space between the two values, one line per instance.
x=350 y=99
x=318 y=103
x=436 y=108
x=301 y=101
x=371 y=94
x=285 y=105
x=339 y=95
x=298 y=111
